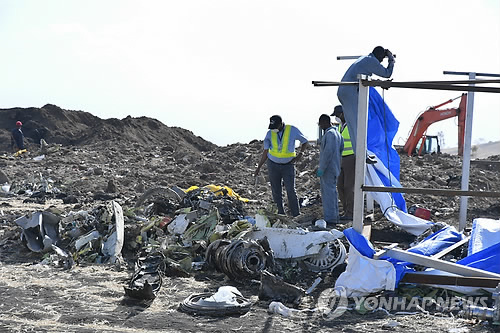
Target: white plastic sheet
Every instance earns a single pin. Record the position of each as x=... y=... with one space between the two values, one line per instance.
x=485 y=233
x=225 y=294
x=364 y=276
x=114 y=244
x=405 y=221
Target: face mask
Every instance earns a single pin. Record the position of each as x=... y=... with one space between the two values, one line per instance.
x=275 y=130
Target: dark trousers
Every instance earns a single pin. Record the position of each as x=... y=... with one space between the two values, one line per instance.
x=286 y=172
x=345 y=184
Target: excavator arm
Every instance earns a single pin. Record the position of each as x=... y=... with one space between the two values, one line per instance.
x=433 y=115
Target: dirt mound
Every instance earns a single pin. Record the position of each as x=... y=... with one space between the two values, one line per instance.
x=483 y=150
x=67 y=127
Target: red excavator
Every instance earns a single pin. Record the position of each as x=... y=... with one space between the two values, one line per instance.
x=419 y=138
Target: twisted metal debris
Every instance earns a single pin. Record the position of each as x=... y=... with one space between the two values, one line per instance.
x=239 y=258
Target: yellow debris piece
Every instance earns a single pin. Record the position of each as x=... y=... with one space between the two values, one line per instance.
x=220 y=190
x=19 y=152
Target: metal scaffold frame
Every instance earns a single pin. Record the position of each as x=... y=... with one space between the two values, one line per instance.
x=461 y=85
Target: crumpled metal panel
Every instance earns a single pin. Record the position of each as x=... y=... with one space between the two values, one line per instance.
x=294 y=243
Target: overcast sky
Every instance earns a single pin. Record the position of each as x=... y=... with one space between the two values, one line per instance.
x=222 y=68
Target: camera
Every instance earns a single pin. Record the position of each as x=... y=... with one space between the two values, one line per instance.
x=387 y=53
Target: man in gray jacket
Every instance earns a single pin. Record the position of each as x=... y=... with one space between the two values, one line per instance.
x=348 y=95
x=330 y=158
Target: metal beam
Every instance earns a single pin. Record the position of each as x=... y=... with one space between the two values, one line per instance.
x=360 y=155
x=432 y=86
x=333 y=84
x=457 y=81
x=453 y=82
x=462 y=220
x=431 y=191
x=467 y=73
x=442 y=265
x=353 y=57
x=347 y=57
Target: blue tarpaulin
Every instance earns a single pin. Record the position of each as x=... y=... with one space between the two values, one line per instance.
x=431 y=245
x=487 y=259
x=382 y=127
x=360 y=242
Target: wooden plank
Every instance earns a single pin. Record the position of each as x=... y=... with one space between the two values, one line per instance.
x=449 y=280
x=367 y=231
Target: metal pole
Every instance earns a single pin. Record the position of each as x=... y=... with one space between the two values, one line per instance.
x=466 y=157
x=359 y=175
x=353 y=57
x=347 y=57
x=468 y=73
x=431 y=191
x=436 y=85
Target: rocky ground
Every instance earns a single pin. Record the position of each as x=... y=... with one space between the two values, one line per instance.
x=90 y=161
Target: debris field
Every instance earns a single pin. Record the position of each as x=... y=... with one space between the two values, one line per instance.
x=133 y=226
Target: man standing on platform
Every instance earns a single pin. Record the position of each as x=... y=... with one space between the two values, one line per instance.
x=348 y=94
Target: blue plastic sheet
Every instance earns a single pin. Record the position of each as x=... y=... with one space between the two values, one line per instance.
x=431 y=245
x=487 y=259
x=382 y=127
x=437 y=242
x=360 y=242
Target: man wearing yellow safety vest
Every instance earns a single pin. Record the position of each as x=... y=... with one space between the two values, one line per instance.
x=330 y=158
x=345 y=183
x=279 y=151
